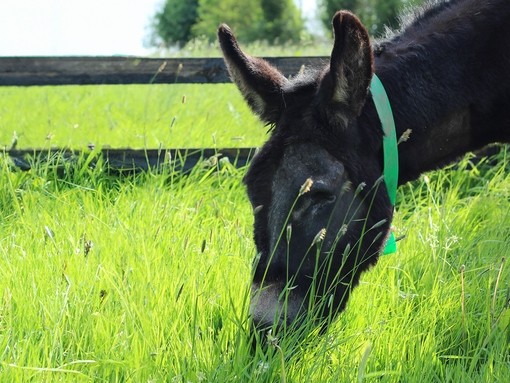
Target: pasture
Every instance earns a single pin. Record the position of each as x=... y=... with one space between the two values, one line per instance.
x=146 y=278
x=136 y=116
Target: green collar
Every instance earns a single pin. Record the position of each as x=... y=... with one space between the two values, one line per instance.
x=383 y=107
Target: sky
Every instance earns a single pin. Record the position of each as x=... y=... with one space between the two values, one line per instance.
x=79 y=27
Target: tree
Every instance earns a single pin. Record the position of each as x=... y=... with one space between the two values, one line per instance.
x=244 y=16
x=374 y=14
x=283 y=21
x=253 y=20
x=180 y=21
x=172 y=25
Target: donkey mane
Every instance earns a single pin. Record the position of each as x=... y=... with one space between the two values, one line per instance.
x=412 y=16
x=441 y=21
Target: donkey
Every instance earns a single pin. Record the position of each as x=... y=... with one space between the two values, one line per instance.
x=322 y=214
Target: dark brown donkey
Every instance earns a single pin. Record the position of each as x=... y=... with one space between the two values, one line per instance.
x=322 y=214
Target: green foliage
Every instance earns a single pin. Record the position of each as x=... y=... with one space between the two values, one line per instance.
x=283 y=21
x=265 y=20
x=244 y=16
x=374 y=14
x=173 y=23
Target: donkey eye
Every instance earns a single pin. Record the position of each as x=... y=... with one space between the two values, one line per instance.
x=324 y=197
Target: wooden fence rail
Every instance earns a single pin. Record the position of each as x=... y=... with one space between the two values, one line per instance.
x=26 y=71
x=127 y=161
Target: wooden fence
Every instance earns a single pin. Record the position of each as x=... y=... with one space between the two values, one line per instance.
x=43 y=71
x=23 y=71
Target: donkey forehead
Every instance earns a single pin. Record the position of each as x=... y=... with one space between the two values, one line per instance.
x=304 y=113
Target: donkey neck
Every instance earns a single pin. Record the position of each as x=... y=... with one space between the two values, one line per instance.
x=447 y=83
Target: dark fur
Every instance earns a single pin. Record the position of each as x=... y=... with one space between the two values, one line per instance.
x=448 y=79
x=454 y=57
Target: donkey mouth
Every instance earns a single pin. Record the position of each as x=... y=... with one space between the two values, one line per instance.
x=274 y=305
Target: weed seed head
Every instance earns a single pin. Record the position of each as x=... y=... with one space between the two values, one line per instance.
x=272 y=340
x=405 y=136
x=87 y=246
x=319 y=237
x=360 y=187
x=346 y=186
x=289 y=232
x=305 y=188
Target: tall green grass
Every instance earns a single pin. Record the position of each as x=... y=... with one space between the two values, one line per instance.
x=113 y=280
x=146 y=279
x=136 y=116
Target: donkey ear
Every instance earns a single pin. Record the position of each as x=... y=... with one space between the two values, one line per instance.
x=260 y=83
x=352 y=62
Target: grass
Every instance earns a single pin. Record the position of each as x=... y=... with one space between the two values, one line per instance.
x=102 y=279
x=136 y=116
x=146 y=278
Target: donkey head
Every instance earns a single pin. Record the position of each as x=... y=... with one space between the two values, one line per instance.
x=321 y=210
